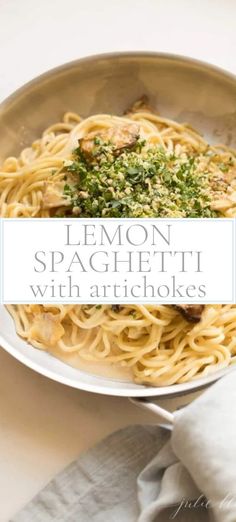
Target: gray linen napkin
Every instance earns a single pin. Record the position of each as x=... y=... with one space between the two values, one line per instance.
x=144 y=474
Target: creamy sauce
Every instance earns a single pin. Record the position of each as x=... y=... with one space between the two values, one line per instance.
x=107 y=370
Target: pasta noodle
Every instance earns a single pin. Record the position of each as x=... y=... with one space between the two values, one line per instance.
x=23 y=180
x=158 y=344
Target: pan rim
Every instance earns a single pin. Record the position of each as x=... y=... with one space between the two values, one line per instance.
x=142 y=391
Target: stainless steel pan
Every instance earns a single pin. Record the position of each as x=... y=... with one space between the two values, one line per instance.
x=181 y=88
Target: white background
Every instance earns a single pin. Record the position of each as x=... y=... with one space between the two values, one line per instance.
x=37 y=35
x=44 y=425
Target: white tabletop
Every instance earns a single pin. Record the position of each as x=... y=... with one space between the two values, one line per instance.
x=45 y=425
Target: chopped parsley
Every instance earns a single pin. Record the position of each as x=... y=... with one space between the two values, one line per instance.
x=142 y=182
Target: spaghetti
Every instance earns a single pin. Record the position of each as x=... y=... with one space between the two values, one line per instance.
x=138 y=165
x=149 y=181
x=158 y=345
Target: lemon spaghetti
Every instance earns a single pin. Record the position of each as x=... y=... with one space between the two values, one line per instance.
x=138 y=165
x=158 y=345
x=47 y=179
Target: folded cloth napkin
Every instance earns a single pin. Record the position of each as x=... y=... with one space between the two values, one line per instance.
x=146 y=474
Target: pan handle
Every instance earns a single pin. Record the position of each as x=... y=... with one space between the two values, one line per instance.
x=147 y=405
